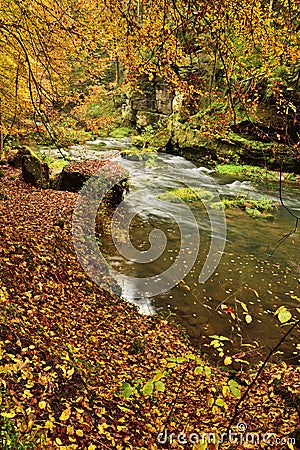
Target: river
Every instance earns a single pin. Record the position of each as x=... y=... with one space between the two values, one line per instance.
x=258 y=271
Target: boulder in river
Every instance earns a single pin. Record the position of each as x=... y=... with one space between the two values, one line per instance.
x=75 y=174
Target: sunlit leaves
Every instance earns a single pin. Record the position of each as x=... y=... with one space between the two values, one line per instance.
x=198 y=370
x=8 y=415
x=158 y=376
x=234 y=388
x=218 y=342
x=126 y=390
x=148 y=388
x=160 y=386
x=65 y=415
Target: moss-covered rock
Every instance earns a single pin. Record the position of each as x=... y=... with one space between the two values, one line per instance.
x=34 y=171
x=189 y=195
x=145 y=118
x=263 y=208
x=121 y=132
x=188 y=138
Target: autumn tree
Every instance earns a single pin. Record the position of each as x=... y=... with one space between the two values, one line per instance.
x=229 y=53
x=42 y=43
x=223 y=56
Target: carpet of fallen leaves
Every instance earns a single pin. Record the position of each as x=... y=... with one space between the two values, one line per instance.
x=86 y=167
x=67 y=346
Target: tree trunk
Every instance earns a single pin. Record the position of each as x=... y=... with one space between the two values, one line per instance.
x=140 y=12
x=117 y=62
x=1 y=132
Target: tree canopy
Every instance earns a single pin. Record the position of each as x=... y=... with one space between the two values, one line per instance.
x=225 y=55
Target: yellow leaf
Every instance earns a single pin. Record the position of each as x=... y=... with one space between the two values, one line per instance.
x=79 y=410
x=101 y=428
x=58 y=441
x=29 y=425
x=158 y=376
x=202 y=446
x=42 y=404
x=225 y=390
x=227 y=360
x=92 y=447
x=65 y=415
x=9 y=415
x=79 y=432
x=70 y=430
x=49 y=425
x=210 y=401
x=244 y=306
x=70 y=372
x=248 y=318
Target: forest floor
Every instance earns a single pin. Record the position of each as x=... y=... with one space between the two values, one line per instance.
x=67 y=347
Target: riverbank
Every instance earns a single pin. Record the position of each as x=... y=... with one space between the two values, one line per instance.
x=67 y=347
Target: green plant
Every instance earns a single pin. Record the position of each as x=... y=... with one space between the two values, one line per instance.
x=218 y=343
x=10 y=438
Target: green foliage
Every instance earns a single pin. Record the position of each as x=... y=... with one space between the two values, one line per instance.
x=121 y=132
x=145 y=140
x=105 y=108
x=247 y=143
x=234 y=387
x=10 y=438
x=145 y=388
x=126 y=390
x=218 y=342
x=68 y=134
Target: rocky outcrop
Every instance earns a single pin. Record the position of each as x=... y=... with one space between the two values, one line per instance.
x=150 y=103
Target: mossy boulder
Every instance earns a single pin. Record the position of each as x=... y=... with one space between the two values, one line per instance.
x=34 y=171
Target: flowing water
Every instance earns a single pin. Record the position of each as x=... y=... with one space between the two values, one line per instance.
x=258 y=272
